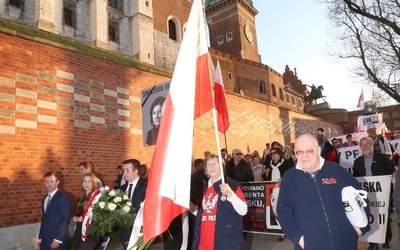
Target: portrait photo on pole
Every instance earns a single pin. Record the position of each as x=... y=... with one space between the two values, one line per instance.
x=365 y=122
x=153 y=100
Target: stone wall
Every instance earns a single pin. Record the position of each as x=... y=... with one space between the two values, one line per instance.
x=165 y=51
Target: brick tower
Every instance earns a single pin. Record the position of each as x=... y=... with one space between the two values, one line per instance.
x=232 y=27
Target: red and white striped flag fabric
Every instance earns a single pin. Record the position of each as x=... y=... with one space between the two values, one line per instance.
x=220 y=101
x=190 y=96
x=361 y=99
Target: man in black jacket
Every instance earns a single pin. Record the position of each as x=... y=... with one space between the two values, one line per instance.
x=238 y=169
x=135 y=188
x=372 y=164
x=328 y=151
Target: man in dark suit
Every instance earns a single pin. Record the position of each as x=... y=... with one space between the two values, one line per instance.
x=371 y=163
x=135 y=188
x=56 y=215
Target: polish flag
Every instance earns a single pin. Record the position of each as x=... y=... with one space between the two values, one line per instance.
x=220 y=101
x=361 y=99
x=190 y=96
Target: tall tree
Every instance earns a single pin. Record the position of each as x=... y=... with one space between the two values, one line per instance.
x=370 y=32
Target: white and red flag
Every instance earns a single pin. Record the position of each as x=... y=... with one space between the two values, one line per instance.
x=220 y=101
x=190 y=96
x=361 y=99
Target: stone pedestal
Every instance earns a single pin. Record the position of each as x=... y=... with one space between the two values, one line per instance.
x=325 y=112
x=320 y=106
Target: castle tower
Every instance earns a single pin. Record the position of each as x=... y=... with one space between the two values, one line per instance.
x=232 y=27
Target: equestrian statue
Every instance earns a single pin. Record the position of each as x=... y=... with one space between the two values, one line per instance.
x=315 y=93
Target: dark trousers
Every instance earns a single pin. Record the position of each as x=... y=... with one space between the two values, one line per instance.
x=125 y=234
x=175 y=229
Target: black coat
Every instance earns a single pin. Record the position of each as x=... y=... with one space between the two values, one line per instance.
x=285 y=166
x=138 y=196
x=241 y=172
x=381 y=165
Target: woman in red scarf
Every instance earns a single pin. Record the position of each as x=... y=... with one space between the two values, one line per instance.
x=89 y=188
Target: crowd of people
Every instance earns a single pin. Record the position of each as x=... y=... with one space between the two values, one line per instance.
x=310 y=208
x=56 y=205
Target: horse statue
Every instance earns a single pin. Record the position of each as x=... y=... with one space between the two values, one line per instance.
x=316 y=93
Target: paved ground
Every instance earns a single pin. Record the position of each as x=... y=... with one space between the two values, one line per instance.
x=265 y=241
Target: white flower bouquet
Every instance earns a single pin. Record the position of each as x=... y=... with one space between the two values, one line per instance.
x=111 y=209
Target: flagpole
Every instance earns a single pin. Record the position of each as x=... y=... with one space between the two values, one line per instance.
x=223 y=123
x=226 y=146
x=214 y=112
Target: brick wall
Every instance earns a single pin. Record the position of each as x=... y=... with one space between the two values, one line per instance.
x=162 y=10
x=246 y=76
x=60 y=107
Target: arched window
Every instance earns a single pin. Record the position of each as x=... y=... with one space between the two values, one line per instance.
x=273 y=90
x=281 y=94
x=174 y=29
x=171 y=30
x=261 y=87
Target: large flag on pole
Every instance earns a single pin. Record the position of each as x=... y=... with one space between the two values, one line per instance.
x=361 y=99
x=220 y=101
x=190 y=96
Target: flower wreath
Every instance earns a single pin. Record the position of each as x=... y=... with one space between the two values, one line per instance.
x=106 y=209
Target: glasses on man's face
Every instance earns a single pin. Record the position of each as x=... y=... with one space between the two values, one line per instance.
x=212 y=164
x=274 y=153
x=238 y=154
x=305 y=152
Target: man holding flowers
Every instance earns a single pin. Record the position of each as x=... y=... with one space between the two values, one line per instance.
x=135 y=188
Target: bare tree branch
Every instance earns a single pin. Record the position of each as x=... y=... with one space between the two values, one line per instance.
x=370 y=35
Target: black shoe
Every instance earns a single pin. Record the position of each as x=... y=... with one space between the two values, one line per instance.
x=373 y=246
x=387 y=245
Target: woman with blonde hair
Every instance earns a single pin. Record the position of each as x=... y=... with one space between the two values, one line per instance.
x=88 y=167
x=89 y=186
x=144 y=172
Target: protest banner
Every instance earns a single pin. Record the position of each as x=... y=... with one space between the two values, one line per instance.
x=378 y=188
x=347 y=156
x=369 y=121
x=261 y=199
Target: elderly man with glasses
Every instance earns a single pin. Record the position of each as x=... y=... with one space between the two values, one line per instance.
x=372 y=163
x=237 y=168
x=310 y=208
